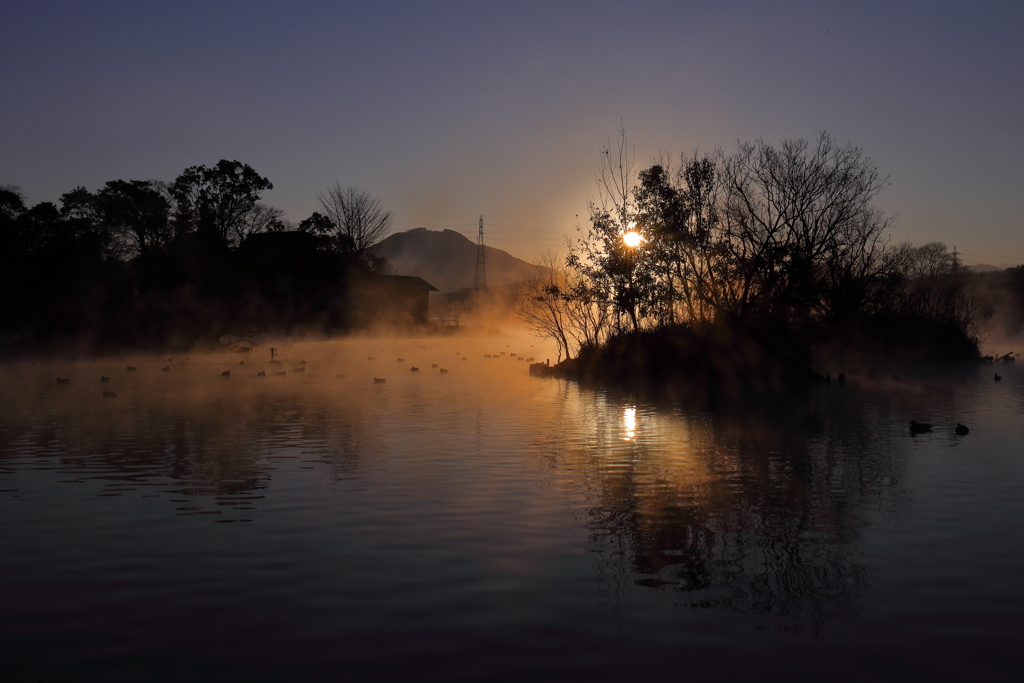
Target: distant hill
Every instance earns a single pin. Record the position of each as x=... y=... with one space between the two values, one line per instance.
x=447 y=259
x=986 y=268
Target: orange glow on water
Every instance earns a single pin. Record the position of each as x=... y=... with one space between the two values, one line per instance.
x=629 y=422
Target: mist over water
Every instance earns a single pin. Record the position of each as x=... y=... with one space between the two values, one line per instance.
x=483 y=524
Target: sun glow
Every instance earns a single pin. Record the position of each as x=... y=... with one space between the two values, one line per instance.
x=632 y=239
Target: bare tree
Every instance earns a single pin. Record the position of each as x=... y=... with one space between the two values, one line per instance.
x=930 y=260
x=790 y=214
x=359 y=217
x=260 y=218
x=558 y=303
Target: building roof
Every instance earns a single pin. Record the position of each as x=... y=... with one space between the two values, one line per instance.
x=410 y=281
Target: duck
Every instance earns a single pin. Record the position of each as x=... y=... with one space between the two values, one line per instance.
x=109 y=394
x=241 y=362
x=414 y=369
x=226 y=373
x=281 y=373
x=444 y=371
x=165 y=369
x=919 y=427
x=962 y=430
x=379 y=380
x=401 y=360
x=299 y=370
x=61 y=380
x=341 y=376
x=131 y=368
x=104 y=378
x=434 y=365
x=275 y=362
x=997 y=377
x=261 y=373
x=370 y=358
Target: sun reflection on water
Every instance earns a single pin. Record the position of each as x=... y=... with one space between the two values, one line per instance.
x=629 y=422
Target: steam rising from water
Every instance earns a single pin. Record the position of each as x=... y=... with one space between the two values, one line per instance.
x=513 y=513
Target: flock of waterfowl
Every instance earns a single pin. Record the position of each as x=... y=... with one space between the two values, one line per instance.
x=960 y=429
x=923 y=428
x=441 y=370
x=301 y=368
x=915 y=426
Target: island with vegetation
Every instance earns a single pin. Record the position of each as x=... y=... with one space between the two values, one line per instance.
x=745 y=269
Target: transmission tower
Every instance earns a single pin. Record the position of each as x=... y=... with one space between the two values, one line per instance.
x=480 y=281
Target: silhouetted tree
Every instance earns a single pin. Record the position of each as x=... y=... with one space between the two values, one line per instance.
x=933 y=291
x=557 y=303
x=54 y=262
x=42 y=229
x=79 y=205
x=323 y=228
x=358 y=217
x=791 y=215
x=780 y=244
x=317 y=224
x=676 y=209
x=929 y=260
x=261 y=218
x=80 y=212
x=216 y=201
x=616 y=272
x=12 y=207
x=150 y=263
x=12 y=203
x=136 y=212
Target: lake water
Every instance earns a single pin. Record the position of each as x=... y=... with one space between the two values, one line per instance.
x=485 y=525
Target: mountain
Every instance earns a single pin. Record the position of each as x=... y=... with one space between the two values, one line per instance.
x=447 y=259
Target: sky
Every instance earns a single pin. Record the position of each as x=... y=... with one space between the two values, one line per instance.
x=452 y=110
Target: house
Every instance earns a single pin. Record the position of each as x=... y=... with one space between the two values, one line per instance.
x=392 y=300
x=300 y=282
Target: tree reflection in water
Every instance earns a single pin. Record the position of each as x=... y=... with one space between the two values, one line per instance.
x=755 y=508
x=212 y=454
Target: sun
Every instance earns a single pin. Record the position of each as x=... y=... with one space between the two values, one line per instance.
x=632 y=239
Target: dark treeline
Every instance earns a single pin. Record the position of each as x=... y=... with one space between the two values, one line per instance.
x=744 y=263
x=141 y=263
